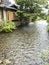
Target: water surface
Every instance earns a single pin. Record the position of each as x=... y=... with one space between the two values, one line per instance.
x=20 y=45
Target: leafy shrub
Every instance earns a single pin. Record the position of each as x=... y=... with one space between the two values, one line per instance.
x=34 y=17
x=47 y=18
x=7 y=25
x=43 y=55
x=43 y=16
x=48 y=22
x=48 y=27
x=22 y=16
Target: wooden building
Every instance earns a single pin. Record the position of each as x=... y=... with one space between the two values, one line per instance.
x=7 y=10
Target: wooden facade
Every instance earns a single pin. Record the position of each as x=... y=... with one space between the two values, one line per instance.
x=7 y=12
x=6 y=15
x=9 y=15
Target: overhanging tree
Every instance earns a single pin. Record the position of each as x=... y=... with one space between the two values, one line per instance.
x=30 y=8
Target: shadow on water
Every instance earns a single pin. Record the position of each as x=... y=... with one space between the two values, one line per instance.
x=21 y=44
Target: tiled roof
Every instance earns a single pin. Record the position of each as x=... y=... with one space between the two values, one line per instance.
x=7 y=7
x=5 y=4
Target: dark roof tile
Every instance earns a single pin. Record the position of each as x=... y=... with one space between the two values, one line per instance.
x=5 y=4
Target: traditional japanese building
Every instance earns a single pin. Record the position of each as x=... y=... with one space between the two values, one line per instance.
x=7 y=10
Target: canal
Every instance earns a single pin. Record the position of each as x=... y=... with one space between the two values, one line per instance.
x=20 y=45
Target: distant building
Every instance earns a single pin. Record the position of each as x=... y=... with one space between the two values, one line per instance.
x=7 y=10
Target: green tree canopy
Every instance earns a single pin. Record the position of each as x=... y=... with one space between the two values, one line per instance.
x=31 y=7
x=31 y=2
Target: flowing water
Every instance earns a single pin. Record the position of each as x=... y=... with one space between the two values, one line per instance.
x=20 y=45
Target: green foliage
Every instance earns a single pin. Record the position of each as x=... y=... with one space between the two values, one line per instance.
x=46 y=64
x=31 y=2
x=48 y=27
x=30 y=9
x=44 y=56
x=43 y=16
x=48 y=18
x=7 y=25
x=22 y=16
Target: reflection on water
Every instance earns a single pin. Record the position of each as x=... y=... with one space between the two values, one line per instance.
x=20 y=45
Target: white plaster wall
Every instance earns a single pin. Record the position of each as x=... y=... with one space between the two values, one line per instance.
x=4 y=13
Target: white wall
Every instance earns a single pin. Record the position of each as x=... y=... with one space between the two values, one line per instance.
x=4 y=13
